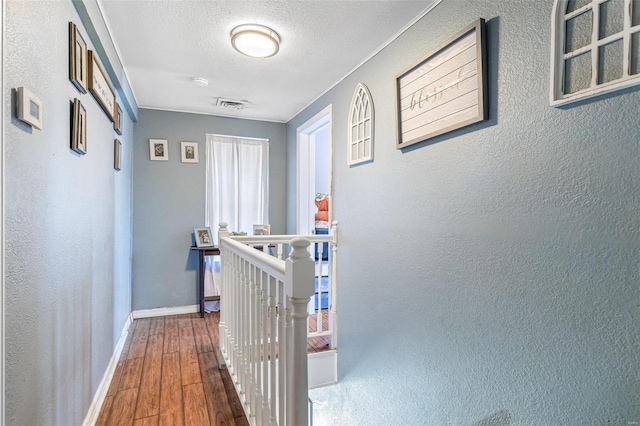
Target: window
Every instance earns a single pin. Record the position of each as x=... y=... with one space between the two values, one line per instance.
x=361 y=126
x=237 y=183
x=595 y=48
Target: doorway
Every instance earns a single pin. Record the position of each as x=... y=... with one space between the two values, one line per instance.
x=314 y=168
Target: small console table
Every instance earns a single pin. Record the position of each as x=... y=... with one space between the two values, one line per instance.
x=202 y=252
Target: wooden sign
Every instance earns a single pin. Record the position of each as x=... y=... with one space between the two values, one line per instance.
x=446 y=90
x=100 y=88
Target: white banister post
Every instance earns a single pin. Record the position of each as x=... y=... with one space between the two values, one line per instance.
x=333 y=314
x=299 y=287
x=223 y=231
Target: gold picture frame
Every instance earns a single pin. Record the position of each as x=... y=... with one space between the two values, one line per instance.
x=78 y=54
x=117 y=149
x=100 y=87
x=78 y=127
x=117 y=123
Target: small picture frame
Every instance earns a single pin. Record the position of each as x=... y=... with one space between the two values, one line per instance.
x=158 y=150
x=189 y=152
x=78 y=53
x=78 y=127
x=117 y=122
x=29 y=108
x=264 y=229
x=116 y=154
x=100 y=88
x=203 y=237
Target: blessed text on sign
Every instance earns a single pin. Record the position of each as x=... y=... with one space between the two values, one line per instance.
x=445 y=91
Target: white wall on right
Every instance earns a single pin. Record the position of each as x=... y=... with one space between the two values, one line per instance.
x=488 y=276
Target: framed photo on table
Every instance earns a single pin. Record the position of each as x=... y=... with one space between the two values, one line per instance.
x=264 y=229
x=203 y=237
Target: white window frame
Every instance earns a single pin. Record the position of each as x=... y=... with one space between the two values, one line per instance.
x=361 y=99
x=558 y=57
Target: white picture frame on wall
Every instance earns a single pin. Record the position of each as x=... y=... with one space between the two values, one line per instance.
x=29 y=108
x=189 y=152
x=158 y=150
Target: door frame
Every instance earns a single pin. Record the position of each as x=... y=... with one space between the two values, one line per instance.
x=305 y=173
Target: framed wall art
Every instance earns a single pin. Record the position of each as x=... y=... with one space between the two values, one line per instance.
x=189 y=152
x=29 y=107
x=78 y=63
x=117 y=122
x=100 y=88
x=446 y=90
x=361 y=126
x=158 y=150
x=78 y=127
x=117 y=147
x=203 y=237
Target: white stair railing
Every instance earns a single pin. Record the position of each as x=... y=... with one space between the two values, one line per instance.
x=278 y=246
x=263 y=328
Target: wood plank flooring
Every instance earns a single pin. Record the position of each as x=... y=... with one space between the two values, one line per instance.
x=168 y=375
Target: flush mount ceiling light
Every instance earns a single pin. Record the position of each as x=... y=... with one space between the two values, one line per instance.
x=199 y=81
x=255 y=40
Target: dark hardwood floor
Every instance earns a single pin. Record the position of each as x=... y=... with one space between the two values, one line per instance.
x=168 y=375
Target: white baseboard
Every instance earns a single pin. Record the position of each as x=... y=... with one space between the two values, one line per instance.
x=161 y=312
x=323 y=369
x=103 y=387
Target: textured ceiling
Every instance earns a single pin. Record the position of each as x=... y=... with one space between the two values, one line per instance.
x=163 y=44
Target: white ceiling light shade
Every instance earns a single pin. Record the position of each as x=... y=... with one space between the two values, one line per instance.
x=255 y=40
x=199 y=81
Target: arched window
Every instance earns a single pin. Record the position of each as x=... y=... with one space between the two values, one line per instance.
x=595 y=48
x=361 y=126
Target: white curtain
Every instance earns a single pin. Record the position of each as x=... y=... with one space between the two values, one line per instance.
x=237 y=191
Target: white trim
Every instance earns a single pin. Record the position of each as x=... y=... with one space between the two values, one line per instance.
x=161 y=312
x=323 y=369
x=2 y=218
x=103 y=387
x=304 y=174
x=374 y=53
x=215 y=114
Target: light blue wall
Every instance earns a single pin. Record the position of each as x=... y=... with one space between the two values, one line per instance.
x=169 y=201
x=68 y=230
x=488 y=276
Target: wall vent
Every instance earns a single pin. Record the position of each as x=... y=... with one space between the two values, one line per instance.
x=231 y=103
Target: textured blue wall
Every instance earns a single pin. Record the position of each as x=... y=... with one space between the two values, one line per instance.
x=169 y=200
x=488 y=276
x=68 y=229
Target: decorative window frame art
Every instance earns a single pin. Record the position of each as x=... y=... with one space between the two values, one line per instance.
x=78 y=54
x=203 y=237
x=78 y=127
x=361 y=126
x=100 y=88
x=189 y=152
x=446 y=90
x=595 y=49
x=29 y=107
x=117 y=155
x=158 y=150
